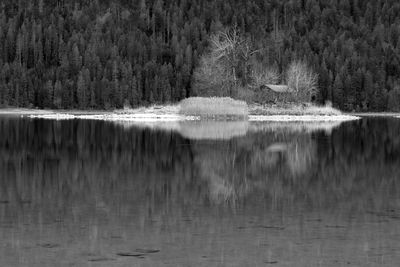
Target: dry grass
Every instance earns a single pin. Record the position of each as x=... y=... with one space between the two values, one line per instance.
x=213 y=107
x=292 y=109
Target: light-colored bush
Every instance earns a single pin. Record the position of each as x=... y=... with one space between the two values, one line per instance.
x=262 y=76
x=302 y=80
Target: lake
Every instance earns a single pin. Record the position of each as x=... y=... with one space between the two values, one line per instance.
x=95 y=193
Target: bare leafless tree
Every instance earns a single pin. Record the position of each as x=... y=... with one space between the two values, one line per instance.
x=211 y=78
x=302 y=80
x=229 y=45
x=227 y=67
x=225 y=49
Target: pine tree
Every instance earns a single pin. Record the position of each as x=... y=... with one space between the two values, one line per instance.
x=81 y=90
x=76 y=59
x=57 y=99
x=338 y=92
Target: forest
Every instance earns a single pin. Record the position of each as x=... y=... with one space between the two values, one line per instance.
x=98 y=54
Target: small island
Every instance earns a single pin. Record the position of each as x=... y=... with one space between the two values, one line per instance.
x=230 y=83
x=199 y=108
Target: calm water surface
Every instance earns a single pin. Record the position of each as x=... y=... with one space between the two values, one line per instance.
x=92 y=193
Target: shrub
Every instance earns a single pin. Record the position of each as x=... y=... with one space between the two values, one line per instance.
x=293 y=109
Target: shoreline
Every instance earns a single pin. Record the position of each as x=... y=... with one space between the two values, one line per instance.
x=377 y=114
x=163 y=114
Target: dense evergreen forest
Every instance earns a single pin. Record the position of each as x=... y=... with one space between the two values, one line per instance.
x=106 y=54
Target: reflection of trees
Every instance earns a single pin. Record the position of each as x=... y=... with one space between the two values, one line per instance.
x=236 y=168
x=301 y=155
x=78 y=167
x=357 y=167
x=82 y=164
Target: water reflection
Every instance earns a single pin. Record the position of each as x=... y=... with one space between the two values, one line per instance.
x=225 y=130
x=86 y=192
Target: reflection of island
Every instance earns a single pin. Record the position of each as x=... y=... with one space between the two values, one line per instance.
x=296 y=127
x=241 y=166
x=195 y=130
x=225 y=130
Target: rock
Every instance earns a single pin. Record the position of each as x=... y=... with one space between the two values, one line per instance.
x=101 y=259
x=131 y=254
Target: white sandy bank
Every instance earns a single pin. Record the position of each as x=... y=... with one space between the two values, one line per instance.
x=302 y=118
x=143 y=117
x=154 y=117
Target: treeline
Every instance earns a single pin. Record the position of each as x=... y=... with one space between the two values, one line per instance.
x=107 y=54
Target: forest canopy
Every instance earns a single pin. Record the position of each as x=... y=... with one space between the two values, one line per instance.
x=106 y=54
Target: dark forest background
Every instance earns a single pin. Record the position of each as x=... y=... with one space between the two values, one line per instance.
x=107 y=54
